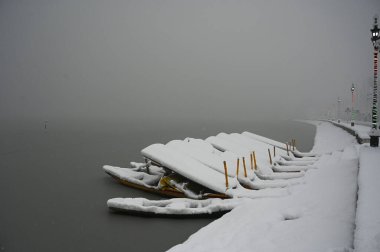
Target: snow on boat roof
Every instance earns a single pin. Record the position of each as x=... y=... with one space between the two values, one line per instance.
x=202 y=174
x=205 y=153
x=187 y=167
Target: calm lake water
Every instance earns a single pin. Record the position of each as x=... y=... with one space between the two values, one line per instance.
x=53 y=190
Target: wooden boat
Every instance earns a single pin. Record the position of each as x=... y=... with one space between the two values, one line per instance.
x=168 y=185
x=180 y=207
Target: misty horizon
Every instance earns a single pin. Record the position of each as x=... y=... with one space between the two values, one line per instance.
x=184 y=61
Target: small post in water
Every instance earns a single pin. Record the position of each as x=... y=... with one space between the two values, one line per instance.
x=237 y=167
x=245 y=168
x=225 y=173
x=254 y=160
x=270 y=156
x=274 y=151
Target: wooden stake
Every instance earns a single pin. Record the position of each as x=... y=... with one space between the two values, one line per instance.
x=293 y=142
x=287 y=149
x=270 y=156
x=245 y=169
x=225 y=173
x=254 y=160
x=251 y=156
x=294 y=146
x=274 y=151
x=237 y=167
x=147 y=166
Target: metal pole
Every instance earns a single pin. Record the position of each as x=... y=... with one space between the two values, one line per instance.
x=375 y=38
x=352 y=109
x=374 y=138
x=338 y=110
x=374 y=100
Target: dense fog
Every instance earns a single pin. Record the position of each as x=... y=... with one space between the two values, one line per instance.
x=183 y=60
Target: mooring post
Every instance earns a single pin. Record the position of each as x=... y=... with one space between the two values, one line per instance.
x=225 y=173
x=245 y=168
x=274 y=151
x=254 y=160
x=147 y=165
x=293 y=143
x=270 y=156
x=237 y=167
x=287 y=149
x=251 y=157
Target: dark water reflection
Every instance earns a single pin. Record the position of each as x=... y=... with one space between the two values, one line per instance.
x=53 y=191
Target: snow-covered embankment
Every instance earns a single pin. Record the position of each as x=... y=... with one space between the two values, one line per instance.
x=317 y=216
x=367 y=234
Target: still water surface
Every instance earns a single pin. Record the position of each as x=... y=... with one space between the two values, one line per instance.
x=53 y=191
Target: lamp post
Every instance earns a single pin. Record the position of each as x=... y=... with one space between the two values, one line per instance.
x=352 y=108
x=338 y=110
x=375 y=38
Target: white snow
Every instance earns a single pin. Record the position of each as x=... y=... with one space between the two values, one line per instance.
x=187 y=167
x=205 y=153
x=196 y=171
x=134 y=176
x=367 y=235
x=361 y=129
x=318 y=215
x=229 y=143
x=180 y=206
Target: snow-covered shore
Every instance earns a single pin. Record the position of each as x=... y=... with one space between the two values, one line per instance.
x=318 y=215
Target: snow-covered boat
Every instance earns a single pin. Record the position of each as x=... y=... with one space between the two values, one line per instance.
x=173 y=207
x=154 y=180
x=226 y=166
x=295 y=152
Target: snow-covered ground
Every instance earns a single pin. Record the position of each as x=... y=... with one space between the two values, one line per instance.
x=318 y=215
x=367 y=235
x=361 y=129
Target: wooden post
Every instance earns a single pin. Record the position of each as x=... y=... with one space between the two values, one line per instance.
x=237 y=167
x=293 y=143
x=147 y=165
x=251 y=156
x=274 y=151
x=287 y=148
x=225 y=173
x=270 y=156
x=254 y=160
x=245 y=169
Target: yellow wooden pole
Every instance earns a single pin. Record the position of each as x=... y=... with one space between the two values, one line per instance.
x=225 y=173
x=245 y=169
x=251 y=157
x=237 y=167
x=270 y=156
x=254 y=160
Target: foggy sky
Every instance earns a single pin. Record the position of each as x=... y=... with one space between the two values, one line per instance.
x=182 y=60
